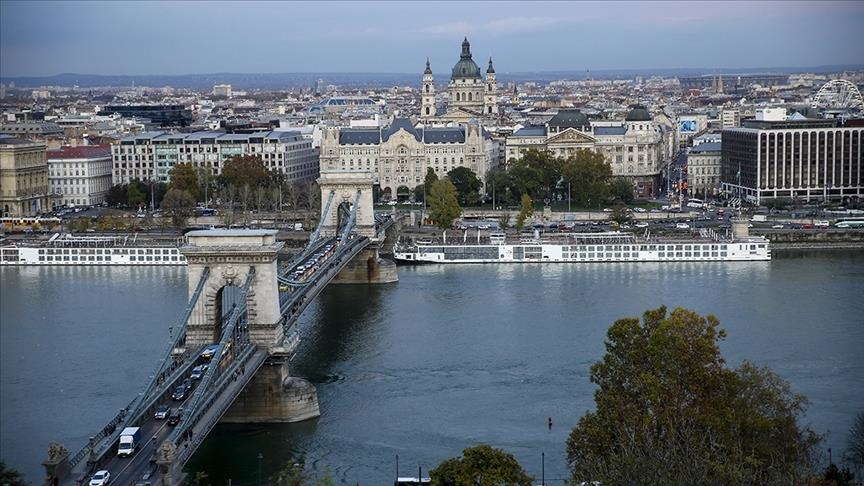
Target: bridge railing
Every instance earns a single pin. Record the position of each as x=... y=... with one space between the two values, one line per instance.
x=241 y=370
x=239 y=312
x=106 y=437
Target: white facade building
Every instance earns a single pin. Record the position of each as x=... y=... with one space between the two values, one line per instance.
x=703 y=169
x=152 y=155
x=79 y=176
x=400 y=154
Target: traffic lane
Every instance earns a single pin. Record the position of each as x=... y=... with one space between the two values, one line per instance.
x=127 y=470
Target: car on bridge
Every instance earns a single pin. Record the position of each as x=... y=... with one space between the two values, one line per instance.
x=198 y=371
x=175 y=416
x=162 y=412
x=179 y=393
x=210 y=351
x=101 y=478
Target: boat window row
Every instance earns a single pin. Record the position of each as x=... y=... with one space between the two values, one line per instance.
x=108 y=258
x=108 y=251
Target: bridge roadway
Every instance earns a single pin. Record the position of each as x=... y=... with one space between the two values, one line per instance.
x=225 y=381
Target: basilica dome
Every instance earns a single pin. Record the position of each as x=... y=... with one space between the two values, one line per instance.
x=466 y=67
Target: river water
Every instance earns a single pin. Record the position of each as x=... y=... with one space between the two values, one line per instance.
x=448 y=357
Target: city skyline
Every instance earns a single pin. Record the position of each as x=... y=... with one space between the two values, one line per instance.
x=48 y=38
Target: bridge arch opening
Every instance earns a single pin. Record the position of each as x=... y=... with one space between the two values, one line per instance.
x=227 y=298
x=343 y=214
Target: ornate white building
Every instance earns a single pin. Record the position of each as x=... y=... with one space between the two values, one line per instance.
x=468 y=94
x=400 y=153
x=636 y=147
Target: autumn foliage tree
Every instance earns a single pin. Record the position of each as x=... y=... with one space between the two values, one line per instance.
x=668 y=411
x=443 y=205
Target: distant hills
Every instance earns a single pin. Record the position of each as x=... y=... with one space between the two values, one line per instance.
x=275 y=81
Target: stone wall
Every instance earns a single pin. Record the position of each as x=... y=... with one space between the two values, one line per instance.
x=274 y=396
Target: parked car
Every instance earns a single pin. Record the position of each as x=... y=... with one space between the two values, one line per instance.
x=101 y=478
x=162 y=412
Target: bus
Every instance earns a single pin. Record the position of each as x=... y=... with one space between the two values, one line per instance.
x=850 y=223
x=695 y=203
x=20 y=223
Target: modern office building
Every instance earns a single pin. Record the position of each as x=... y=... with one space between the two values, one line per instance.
x=161 y=115
x=400 y=154
x=703 y=170
x=79 y=176
x=152 y=155
x=23 y=178
x=815 y=160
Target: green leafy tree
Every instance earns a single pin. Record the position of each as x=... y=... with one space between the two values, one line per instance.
x=835 y=476
x=620 y=214
x=526 y=211
x=430 y=179
x=668 y=411
x=467 y=185
x=178 y=205
x=136 y=194
x=443 y=205
x=855 y=442
x=184 y=177
x=504 y=221
x=588 y=174
x=10 y=477
x=498 y=183
x=419 y=193
x=118 y=195
x=545 y=170
x=295 y=475
x=622 y=190
x=245 y=170
x=480 y=465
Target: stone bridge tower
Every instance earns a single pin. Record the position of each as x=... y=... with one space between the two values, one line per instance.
x=345 y=185
x=229 y=254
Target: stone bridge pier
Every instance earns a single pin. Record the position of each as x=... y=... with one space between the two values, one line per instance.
x=272 y=395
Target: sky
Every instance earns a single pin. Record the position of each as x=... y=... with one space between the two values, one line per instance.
x=42 y=38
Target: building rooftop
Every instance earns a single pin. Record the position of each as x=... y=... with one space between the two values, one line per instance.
x=80 y=152
x=706 y=147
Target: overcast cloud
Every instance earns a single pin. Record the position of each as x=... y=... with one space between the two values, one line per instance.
x=103 y=37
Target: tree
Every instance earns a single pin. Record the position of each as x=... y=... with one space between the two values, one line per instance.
x=855 y=442
x=504 y=221
x=480 y=465
x=467 y=185
x=620 y=214
x=430 y=179
x=245 y=170
x=544 y=169
x=178 y=205
x=622 y=190
x=668 y=411
x=117 y=195
x=10 y=477
x=136 y=193
x=443 y=206
x=588 y=174
x=184 y=177
x=526 y=211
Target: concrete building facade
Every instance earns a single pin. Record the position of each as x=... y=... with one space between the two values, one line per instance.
x=79 y=176
x=399 y=154
x=703 y=170
x=469 y=96
x=815 y=160
x=23 y=178
x=152 y=155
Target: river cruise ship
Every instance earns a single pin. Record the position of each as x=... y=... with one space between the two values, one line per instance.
x=586 y=248
x=91 y=250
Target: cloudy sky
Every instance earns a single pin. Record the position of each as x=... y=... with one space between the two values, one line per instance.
x=161 y=37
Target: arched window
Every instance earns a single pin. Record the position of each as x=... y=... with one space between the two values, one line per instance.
x=469 y=97
x=427 y=110
x=427 y=88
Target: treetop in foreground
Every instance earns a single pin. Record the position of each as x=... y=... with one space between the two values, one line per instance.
x=670 y=412
x=481 y=465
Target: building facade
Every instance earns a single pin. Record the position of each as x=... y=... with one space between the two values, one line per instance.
x=151 y=156
x=815 y=160
x=400 y=154
x=469 y=96
x=636 y=147
x=703 y=170
x=23 y=178
x=79 y=176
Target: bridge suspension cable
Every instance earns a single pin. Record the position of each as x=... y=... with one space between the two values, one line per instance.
x=195 y=410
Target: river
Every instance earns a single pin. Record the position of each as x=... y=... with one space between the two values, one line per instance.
x=448 y=357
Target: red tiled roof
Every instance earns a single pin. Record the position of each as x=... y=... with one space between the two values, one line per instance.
x=80 y=152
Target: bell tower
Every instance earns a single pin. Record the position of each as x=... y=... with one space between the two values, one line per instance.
x=490 y=104
x=427 y=97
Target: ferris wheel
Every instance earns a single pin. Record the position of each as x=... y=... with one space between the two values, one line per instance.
x=838 y=94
